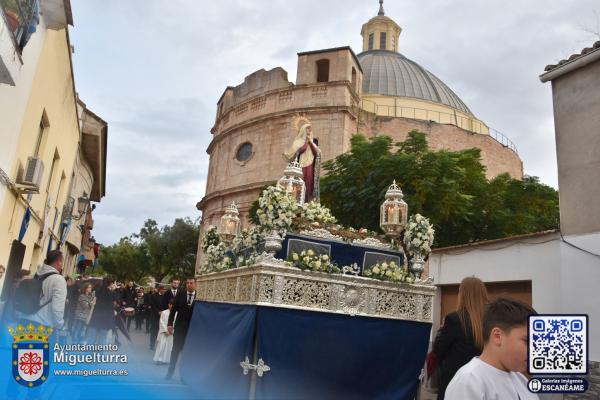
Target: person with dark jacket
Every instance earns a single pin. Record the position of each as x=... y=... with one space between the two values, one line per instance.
x=171 y=293
x=103 y=314
x=85 y=302
x=182 y=310
x=140 y=309
x=72 y=297
x=128 y=296
x=156 y=307
x=148 y=307
x=461 y=336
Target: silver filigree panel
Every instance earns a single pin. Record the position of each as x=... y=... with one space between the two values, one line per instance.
x=284 y=286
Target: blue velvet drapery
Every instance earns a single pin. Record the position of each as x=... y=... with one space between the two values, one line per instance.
x=311 y=354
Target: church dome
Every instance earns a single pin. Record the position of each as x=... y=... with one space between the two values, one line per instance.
x=389 y=73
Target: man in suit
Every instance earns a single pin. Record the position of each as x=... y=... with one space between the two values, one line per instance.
x=171 y=293
x=148 y=307
x=184 y=303
x=156 y=307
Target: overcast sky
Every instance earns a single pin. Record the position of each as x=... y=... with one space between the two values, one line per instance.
x=154 y=70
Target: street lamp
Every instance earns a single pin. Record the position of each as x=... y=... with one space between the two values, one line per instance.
x=230 y=223
x=292 y=181
x=82 y=204
x=393 y=213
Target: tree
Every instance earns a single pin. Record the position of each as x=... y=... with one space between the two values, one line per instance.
x=449 y=187
x=157 y=252
x=170 y=249
x=124 y=260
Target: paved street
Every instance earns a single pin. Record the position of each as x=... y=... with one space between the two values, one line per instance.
x=140 y=357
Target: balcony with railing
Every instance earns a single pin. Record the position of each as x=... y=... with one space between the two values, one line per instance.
x=470 y=124
x=22 y=17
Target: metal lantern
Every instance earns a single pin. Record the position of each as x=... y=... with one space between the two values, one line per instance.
x=230 y=223
x=82 y=204
x=394 y=212
x=292 y=181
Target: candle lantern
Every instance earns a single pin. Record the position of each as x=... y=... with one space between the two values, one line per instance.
x=230 y=223
x=394 y=212
x=292 y=182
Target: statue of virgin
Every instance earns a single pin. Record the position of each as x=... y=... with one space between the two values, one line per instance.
x=306 y=152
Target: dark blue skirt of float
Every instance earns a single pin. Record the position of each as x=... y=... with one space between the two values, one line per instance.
x=311 y=354
x=219 y=337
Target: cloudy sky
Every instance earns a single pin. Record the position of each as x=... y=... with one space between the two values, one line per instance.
x=154 y=70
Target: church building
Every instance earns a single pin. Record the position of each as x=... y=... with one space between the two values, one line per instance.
x=376 y=92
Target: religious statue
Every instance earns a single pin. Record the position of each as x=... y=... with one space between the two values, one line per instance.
x=306 y=152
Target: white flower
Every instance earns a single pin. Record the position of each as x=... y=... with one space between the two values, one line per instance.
x=295 y=257
x=376 y=270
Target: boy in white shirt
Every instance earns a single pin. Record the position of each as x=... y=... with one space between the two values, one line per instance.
x=498 y=373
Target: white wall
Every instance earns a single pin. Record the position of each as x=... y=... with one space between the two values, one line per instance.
x=563 y=279
x=13 y=100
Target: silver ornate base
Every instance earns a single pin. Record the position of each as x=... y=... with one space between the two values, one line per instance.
x=272 y=283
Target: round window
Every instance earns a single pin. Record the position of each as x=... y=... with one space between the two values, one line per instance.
x=244 y=152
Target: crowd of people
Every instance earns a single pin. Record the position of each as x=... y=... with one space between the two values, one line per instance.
x=92 y=310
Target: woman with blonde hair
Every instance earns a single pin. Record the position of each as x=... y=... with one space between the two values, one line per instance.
x=461 y=337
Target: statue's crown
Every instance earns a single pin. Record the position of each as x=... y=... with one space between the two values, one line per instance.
x=298 y=121
x=30 y=332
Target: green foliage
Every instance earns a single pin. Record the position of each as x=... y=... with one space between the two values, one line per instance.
x=124 y=260
x=154 y=251
x=449 y=187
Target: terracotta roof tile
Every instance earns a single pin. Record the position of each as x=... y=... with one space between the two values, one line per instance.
x=583 y=52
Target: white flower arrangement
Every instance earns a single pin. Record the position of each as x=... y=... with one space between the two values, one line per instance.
x=216 y=258
x=211 y=238
x=419 y=235
x=276 y=209
x=245 y=246
x=315 y=212
x=388 y=272
x=309 y=260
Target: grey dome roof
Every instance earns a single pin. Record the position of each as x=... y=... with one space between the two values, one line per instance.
x=391 y=74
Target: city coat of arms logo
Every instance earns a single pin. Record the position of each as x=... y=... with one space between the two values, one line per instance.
x=30 y=354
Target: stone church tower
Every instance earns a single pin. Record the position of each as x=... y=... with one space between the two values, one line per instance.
x=377 y=92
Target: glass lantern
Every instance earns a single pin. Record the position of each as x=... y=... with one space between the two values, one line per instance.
x=230 y=223
x=292 y=181
x=394 y=212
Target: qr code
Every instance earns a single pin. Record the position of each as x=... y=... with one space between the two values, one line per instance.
x=558 y=344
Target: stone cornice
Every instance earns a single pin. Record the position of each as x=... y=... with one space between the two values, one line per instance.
x=249 y=100
x=289 y=112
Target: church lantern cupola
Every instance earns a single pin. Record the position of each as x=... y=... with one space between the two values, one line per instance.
x=381 y=32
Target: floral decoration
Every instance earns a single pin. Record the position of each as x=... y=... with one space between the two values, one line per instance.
x=418 y=236
x=388 y=272
x=309 y=260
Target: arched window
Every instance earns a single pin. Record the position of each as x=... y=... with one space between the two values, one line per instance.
x=323 y=71
x=354 y=86
x=371 y=35
x=382 y=40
